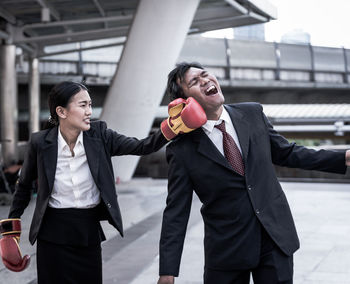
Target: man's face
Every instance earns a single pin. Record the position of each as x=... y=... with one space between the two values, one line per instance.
x=205 y=89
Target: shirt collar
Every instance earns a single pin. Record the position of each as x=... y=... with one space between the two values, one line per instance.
x=210 y=124
x=62 y=143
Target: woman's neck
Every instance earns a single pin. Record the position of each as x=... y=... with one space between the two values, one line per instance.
x=69 y=135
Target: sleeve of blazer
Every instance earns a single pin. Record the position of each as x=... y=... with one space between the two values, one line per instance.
x=24 y=183
x=294 y=156
x=175 y=216
x=119 y=144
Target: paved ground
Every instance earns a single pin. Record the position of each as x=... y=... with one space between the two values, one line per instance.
x=321 y=212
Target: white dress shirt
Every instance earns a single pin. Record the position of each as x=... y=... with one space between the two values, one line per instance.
x=215 y=134
x=74 y=186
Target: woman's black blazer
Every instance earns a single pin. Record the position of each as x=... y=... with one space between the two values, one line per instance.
x=100 y=145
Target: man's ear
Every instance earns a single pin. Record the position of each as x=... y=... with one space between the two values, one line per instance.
x=61 y=112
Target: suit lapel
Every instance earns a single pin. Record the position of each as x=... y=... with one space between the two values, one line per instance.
x=92 y=147
x=207 y=148
x=50 y=156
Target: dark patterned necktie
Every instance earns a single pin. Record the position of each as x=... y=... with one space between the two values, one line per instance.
x=231 y=151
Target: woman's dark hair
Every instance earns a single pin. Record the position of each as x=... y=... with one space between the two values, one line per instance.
x=173 y=89
x=61 y=95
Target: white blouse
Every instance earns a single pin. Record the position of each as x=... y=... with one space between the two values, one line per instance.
x=74 y=186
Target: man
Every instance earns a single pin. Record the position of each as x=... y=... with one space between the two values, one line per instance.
x=248 y=225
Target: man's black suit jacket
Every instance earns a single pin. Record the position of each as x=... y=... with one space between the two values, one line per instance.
x=234 y=207
x=100 y=145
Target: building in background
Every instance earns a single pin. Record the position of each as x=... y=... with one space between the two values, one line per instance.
x=296 y=36
x=252 y=32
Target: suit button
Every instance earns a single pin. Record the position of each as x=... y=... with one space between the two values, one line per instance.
x=249 y=187
x=257 y=211
x=109 y=205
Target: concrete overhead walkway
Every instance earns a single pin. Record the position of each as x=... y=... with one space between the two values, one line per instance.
x=321 y=212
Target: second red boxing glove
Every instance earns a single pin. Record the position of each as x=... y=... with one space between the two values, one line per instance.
x=10 y=252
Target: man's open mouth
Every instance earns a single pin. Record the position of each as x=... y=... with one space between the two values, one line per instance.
x=212 y=90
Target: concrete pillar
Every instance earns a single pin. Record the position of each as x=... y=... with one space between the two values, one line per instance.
x=8 y=104
x=154 y=43
x=34 y=95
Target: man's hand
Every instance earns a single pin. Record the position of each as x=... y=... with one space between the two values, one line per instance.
x=347 y=158
x=166 y=279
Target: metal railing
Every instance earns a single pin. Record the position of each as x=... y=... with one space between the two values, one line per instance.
x=232 y=60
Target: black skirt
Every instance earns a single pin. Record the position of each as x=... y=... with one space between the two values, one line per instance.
x=69 y=247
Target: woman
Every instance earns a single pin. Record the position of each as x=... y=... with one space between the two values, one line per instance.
x=71 y=162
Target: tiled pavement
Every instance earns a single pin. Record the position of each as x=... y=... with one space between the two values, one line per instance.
x=321 y=212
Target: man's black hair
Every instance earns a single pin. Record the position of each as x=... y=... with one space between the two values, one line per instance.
x=173 y=89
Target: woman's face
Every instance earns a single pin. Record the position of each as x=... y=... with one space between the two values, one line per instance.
x=77 y=114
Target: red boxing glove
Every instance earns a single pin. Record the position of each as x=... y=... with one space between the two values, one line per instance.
x=184 y=116
x=10 y=229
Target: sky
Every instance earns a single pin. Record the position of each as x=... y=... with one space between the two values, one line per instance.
x=327 y=21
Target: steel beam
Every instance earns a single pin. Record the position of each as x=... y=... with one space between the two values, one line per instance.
x=77 y=22
x=264 y=7
x=8 y=104
x=53 y=11
x=101 y=11
x=237 y=6
x=74 y=37
x=43 y=54
x=99 y=8
x=7 y=16
x=34 y=95
x=222 y=23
